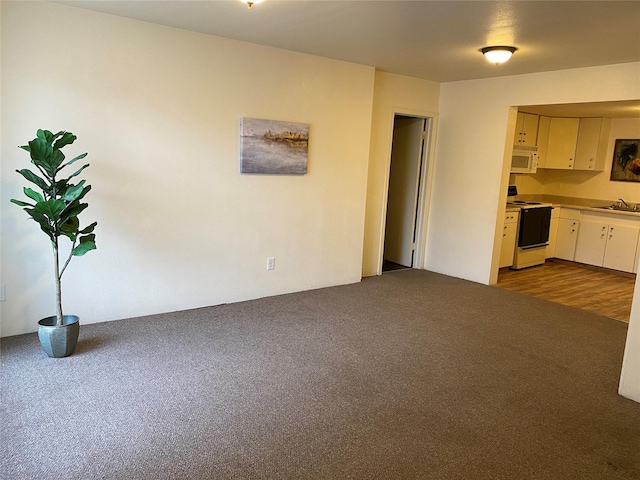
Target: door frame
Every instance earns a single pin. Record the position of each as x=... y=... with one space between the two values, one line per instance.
x=407 y=155
x=424 y=190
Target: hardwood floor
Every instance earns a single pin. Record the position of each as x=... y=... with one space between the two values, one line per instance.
x=596 y=291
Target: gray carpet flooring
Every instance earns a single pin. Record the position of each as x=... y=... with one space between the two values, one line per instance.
x=407 y=375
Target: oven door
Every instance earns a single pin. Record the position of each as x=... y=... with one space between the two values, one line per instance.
x=534 y=227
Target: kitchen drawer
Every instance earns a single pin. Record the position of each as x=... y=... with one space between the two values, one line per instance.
x=570 y=213
x=511 y=216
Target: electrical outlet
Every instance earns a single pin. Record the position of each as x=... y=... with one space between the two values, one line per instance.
x=3 y=294
x=271 y=263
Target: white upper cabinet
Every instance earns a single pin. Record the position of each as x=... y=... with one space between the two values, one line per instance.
x=574 y=143
x=544 y=124
x=593 y=139
x=526 y=130
x=561 y=146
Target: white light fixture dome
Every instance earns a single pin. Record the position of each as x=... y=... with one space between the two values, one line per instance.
x=498 y=55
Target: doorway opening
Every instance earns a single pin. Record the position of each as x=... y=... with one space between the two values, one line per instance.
x=405 y=199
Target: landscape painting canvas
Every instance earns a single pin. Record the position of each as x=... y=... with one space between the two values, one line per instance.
x=272 y=147
x=625 y=166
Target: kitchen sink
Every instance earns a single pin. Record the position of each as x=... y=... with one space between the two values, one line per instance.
x=622 y=208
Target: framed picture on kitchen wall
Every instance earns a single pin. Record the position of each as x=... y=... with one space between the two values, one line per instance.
x=273 y=147
x=626 y=161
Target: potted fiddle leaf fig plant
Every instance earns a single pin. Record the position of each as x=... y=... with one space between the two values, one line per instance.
x=55 y=208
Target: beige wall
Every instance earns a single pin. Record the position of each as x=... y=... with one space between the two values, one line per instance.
x=158 y=110
x=472 y=170
x=393 y=94
x=471 y=174
x=587 y=184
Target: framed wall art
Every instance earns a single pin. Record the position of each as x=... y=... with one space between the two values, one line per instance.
x=625 y=166
x=273 y=147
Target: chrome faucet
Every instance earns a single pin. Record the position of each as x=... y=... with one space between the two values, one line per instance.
x=622 y=202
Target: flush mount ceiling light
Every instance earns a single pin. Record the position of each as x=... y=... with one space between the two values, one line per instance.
x=498 y=55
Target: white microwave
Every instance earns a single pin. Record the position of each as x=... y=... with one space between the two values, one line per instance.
x=524 y=160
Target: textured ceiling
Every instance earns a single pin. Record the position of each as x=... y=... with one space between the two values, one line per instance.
x=433 y=40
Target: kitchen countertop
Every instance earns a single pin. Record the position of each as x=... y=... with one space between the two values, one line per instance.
x=577 y=203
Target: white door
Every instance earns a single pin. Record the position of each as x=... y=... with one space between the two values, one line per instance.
x=404 y=181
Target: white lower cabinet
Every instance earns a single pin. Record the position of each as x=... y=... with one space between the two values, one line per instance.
x=509 y=235
x=608 y=241
x=553 y=233
x=567 y=236
x=620 y=252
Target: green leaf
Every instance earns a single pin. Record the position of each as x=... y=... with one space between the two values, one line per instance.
x=70 y=235
x=73 y=192
x=33 y=178
x=39 y=148
x=32 y=194
x=85 y=190
x=70 y=228
x=25 y=147
x=47 y=136
x=79 y=157
x=66 y=139
x=22 y=204
x=57 y=157
x=89 y=228
x=87 y=244
x=41 y=153
x=72 y=210
x=77 y=172
x=61 y=186
x=71 y=225
x=52 y=208
x=43 y=221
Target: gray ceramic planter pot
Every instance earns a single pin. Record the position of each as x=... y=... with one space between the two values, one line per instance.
x=59 y=341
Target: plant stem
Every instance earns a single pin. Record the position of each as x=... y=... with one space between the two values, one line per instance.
x=56 y=262
x=64 y=267
x=56 y=259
